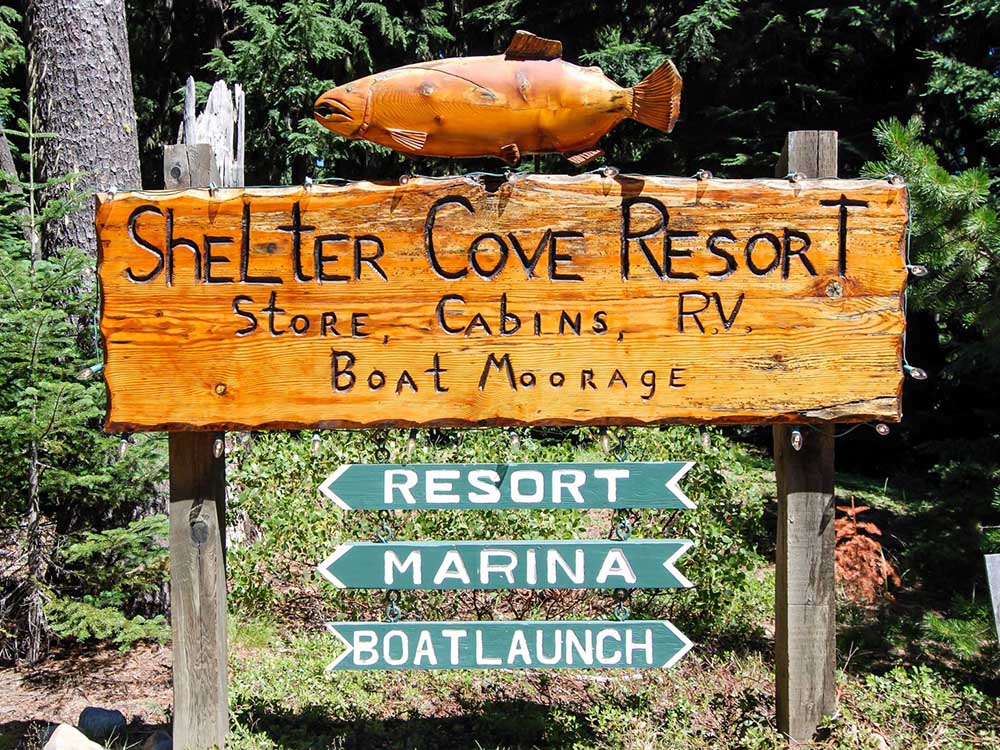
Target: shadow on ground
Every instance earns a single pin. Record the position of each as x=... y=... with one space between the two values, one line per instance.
x=513 y=725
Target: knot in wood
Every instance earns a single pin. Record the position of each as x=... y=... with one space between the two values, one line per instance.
x=199 y=531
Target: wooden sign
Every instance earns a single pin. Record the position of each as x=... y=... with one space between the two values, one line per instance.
x=584 y=644
x=450 y=566
x=551 y=300
x=491 y=486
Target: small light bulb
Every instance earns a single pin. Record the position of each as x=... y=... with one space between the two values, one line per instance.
x=218 y=447
x=797 y=439
x=609 y=172
x=703 y=174
x=88 y=372
x=403 y=179
x=315 y=444
x=917 y=271
x=882 y=429
x=915 y=372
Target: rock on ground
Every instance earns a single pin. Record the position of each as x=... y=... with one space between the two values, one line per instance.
x=65 y=737
x=158 y=741
x=102 y=724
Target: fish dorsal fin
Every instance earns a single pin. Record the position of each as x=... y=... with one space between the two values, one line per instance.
x=412 y=139
x=527 y=46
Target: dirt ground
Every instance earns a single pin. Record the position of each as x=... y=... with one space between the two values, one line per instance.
x=136 y=683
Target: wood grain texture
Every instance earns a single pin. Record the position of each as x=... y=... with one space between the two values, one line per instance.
x=197 y=515
x=805 y=594
x=817 y=341
x=198 y=591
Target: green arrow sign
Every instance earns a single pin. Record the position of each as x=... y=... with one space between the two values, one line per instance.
x=587 y=644
x=472 y=486
x=638 y=564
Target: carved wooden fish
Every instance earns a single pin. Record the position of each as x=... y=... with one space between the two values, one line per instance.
x=525 y=101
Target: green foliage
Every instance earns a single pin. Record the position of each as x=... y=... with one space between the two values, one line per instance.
x=289 y=528
x=918 y=709
x=956 y=233
x=289 y=53
x=11 y=57
x=58 y=471
x=90 y=619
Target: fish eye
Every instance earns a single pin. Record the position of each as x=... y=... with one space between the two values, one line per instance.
x=348 y=89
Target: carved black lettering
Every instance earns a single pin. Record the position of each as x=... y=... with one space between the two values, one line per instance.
x=617 y=377
x=145 y=245
x=272 y=309
x=328 y=324
x=211 y=260
x=728 y=320
x=574 y=323
x=448 y=200
x=557 y=379
x=436 y=371
x=530 y=263
x=173 y=243
x=245 y=277
x=250 y=317
x=587 y=379
x=358 y=322
x=670 y=253
x=641 y=235
x=342 y=364
x=405 y=379
x=770 y=239
x=799 y=252
x=297 y=228
x=441 y=312
x=320 y=259
x=538 y=324
x=299 y=324
x=502 y=248
x=675 y=377
x=683 y=312
x=368 y=260
x=478 y=321
x=843 y=203
x=556 y=258
x=648 y=379
x=527 y=379
x=500 y=365
x=376 y=379
x=600 y=322
x=505 y=317
x=722 y=235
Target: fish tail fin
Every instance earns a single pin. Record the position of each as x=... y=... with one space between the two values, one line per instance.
x=656 y=101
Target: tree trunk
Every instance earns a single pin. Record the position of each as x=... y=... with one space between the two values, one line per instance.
x=80 y=78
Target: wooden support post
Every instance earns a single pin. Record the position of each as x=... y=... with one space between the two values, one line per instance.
x=198 y=475
x=198 y=590
x=805 y=605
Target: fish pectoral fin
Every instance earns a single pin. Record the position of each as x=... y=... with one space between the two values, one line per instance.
x=511 y=154
x=527 y=46
x=581 y=158
x=412 y=139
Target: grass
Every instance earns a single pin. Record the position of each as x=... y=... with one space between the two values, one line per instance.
x=283 y=698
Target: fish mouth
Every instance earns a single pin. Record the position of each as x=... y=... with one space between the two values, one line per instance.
x=331 y=109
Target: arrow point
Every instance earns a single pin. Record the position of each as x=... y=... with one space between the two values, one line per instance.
x=686 y=644
x=673 y=485
x=683 y=545
x=324 y=567
x=327 y=487
x=348 y=648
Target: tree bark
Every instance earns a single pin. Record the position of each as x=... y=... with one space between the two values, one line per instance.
x=80 y=78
